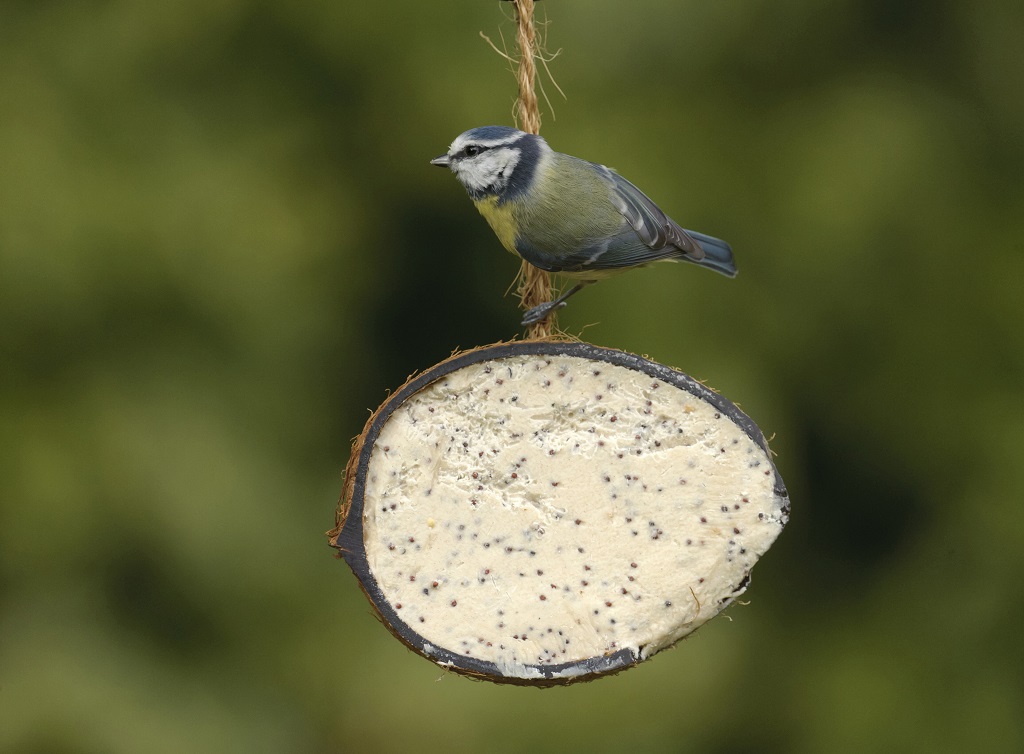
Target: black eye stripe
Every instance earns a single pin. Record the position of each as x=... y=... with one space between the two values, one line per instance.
x=474 y=149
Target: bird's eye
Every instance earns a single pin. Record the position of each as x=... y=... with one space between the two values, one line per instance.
x=473 y=150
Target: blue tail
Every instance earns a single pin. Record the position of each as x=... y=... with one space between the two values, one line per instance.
x=717 y=254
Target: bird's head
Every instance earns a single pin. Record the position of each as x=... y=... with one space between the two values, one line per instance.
x=494 y=161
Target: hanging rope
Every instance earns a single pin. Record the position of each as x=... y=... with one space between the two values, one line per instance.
x=535 y=283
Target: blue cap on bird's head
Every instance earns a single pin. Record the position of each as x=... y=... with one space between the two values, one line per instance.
x=483 y=138
x=486 y=137
x=492 y=133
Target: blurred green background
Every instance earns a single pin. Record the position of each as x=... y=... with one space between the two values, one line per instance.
x=221 y=243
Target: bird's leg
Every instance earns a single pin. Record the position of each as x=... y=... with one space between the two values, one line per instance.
x=537 y=313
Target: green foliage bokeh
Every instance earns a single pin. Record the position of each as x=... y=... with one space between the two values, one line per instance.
x=221 y=243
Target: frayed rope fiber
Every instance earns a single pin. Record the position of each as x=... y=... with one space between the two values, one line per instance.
x=535 y=283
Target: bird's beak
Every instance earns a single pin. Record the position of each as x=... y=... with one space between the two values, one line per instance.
x=441 y=162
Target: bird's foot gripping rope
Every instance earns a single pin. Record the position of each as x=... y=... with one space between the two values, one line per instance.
x=538 y=313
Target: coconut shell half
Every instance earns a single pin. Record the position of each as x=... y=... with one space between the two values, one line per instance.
x=544 y=512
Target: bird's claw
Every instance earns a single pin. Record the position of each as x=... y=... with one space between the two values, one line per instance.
x=537 y=313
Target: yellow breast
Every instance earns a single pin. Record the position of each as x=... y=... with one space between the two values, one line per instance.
x=499 y=217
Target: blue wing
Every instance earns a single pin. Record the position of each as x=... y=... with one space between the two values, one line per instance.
x=646 y=235
x=660 y=237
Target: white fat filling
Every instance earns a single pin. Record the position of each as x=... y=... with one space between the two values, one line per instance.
x=544 y=510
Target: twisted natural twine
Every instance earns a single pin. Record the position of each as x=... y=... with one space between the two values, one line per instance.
x=534 y=283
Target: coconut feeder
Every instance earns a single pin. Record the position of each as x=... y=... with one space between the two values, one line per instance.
x=545 y=511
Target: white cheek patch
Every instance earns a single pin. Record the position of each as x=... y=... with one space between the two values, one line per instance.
x=489 y=171
x=543 y=512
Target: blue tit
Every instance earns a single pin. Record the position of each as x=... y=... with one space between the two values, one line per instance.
x=566 y=215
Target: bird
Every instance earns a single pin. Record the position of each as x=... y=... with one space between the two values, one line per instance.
x=567 y=215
